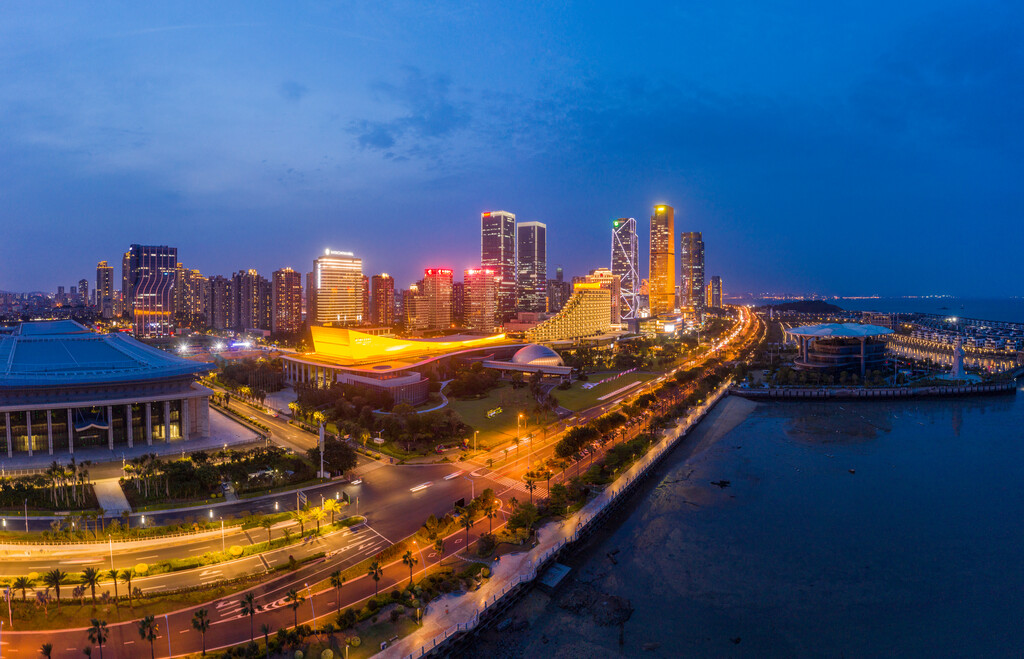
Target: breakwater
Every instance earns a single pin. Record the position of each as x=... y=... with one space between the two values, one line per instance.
x=860 y=393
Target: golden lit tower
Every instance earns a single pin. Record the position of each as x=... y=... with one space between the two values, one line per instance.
x=662 y=279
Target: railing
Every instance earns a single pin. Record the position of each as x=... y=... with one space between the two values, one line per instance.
x=602 y=505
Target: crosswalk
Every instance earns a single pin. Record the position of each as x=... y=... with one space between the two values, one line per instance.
x=518 y=486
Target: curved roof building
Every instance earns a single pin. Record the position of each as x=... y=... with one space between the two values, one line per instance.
x=537 y=355
x=839 y=346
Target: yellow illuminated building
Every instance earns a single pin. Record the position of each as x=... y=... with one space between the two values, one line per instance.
x=586 y=313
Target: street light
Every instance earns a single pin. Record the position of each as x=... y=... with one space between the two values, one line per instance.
x=222 y=534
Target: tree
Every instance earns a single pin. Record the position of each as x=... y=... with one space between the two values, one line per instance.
x=126 y=577
x=318 y=515
x=531 y=486
x=331 y=506
x=53 y=579
x=22 y=584
x=490 y=511
x=267 y=525
x=250 y=608
x=98 y=633
x=466 y=521
x=148 y=630
x=46 y=649
x=265 y=630
x=409 y=560
x=300 y=517
x=200 y=623
x=294 y=600
x=439 y=547
x=375 y=572
x=91 y=579
x=337 y=581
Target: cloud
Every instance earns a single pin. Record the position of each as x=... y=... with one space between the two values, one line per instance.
x=293 y=91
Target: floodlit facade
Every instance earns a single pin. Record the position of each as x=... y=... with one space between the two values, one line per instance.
x=287 y=301
x=383 y=300
x=434 y=310
x=64 y=388
x=692 y=260
x=148 y=274
x=532 y=268
x=713 y=293
x=586 y=313
x=339 y=288
x=610 y=282
x=480 y=299
x=625 y=264
x=662 y=280
x=498 y=253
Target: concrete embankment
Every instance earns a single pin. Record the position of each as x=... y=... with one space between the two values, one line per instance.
x=846 y=393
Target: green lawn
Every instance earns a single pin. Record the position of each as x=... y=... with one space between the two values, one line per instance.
x=501 y=427
x=577 y=398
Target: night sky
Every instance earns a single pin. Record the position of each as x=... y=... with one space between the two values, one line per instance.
x=841 y=148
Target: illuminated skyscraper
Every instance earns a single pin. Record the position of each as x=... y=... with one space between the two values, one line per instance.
x=218 y=308
x=692 y=261
x=434 y=310
x=713 y=293
x=662 y=279
x=609 y=281
x=383 y=302
x=148 y=273
x=532 y=274
x=339 y=288
x=287 y=301
x=625 y=264
x=105 y=290
x=83 y=291
x=498 y=253
x=251 y=301
x=480 y=299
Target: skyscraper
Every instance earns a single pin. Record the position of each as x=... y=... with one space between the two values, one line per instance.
x=458 y=303
x=713 y=293
x=498 y=253
x=480 y=299
x=287 y=301
x=190 y=297
x=692 y=261
x=250 y=301
x=148 y=284
x=83 y=291
x=662 y=279
x=559 y=291
x=365 y=310
x=105 y=290
x=218 y=308
x=532 y=269
x=435 y=308
x=338 y=288
x=383 y=300
x=625 y=264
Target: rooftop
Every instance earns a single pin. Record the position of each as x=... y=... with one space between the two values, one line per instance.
x=63 y=352
x=839 y=331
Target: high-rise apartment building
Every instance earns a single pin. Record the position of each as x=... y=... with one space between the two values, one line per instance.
x=365 y=312
x=662 y=279
x=498 y=253
x=480 y=299
x=559 y=291
x=251 y=301
x=383 y=300
x=338 y=288
x=148 y=274
x=191 y=296
x=287 y=301
x=610 y=282
x=434 y=308
x=713 y=293
x=625 y=264
x=218 y=306
x=83 y=291
x=105 y=290
x=532 y=268
x=692 y=260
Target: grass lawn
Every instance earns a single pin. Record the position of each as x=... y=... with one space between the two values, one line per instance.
x=577 y=398
x=501 y=427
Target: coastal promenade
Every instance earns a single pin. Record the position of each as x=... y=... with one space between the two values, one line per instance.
x=804 y=393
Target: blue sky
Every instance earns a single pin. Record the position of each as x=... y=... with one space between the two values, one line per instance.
x=846 y=148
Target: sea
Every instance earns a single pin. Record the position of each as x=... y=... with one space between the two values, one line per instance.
x=1001 y=309
x=812 y=529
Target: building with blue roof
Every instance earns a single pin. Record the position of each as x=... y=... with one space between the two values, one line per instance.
x=64 y=387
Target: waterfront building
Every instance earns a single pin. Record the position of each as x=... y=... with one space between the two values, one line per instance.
x=480 y=299
x=287 y=301
x=498 y=253
x=692 y=262
x=64 y=388
x=434 y=310
x=610 y=282
x=625 y=264
x=105 y=290
x=835 y=347
x=662 y=277
x=587 y=313
x=383 y=301
x=338 y=288
x=532 y=268
x=713 y=293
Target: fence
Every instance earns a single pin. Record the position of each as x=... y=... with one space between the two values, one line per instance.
x=587 y=523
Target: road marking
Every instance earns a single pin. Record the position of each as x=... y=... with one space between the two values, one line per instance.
x=128 y=642
x=149 y=557
x=184 y=631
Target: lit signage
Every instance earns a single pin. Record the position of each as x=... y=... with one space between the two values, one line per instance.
x=486 y=214
x=616 y=224
x=437 y=271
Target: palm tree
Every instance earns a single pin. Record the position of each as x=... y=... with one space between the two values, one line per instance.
x=200 y=623
x=22 y=584
x=46 y=649
x=337 y=581
x=300 y=517
x=467 y=523
x=439 y=547
x=265 y=630
x=53 y=579
x=98 y=633
x=409 y=560
x=147 y=631
x=318 y=514
x=294 y=600
x=531 y=486
x=126 y=576
x=91 y=579
x=331 y=506
x=267 y=525
x=112 y=575
x=250 y=608
x=490 y=512
x=87 y=650
x=375 y=572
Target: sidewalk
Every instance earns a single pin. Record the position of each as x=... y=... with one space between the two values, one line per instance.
x=111 y=497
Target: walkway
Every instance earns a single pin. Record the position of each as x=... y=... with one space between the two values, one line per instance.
x=111 y=497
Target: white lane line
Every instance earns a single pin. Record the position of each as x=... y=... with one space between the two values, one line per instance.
x=148 y=557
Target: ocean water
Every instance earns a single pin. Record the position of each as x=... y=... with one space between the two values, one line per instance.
x=1006 y=309
x=850 y=529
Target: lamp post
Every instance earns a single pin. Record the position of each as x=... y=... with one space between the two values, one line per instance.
x=475 y=433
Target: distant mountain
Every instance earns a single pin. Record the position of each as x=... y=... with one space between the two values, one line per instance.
x=805 y=306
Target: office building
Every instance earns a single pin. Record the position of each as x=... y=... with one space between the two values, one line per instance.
x=532 y=268
x=105 y=290
x=383 y=301
x=83 y=292
x=480 y=299
x=692 y=261
x=458 y=303
x=287 y=302
x=338 y=288
x=365 y=310
x=559 y=291
x=498 y=253
x=434 y=307
x=713 y=293
x=410 y=298
x=662 y=279
x=148 y=274
x=625 y=264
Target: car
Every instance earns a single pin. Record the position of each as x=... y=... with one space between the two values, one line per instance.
x=274 y=414
x=357 y=481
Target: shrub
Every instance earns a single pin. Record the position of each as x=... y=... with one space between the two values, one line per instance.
x=395 y=615
x=354 y=641
x=327 y=654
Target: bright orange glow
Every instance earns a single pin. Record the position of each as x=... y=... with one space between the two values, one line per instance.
x=348 y=347
x=586 y=286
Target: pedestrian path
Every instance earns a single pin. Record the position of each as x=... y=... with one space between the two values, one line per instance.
x=111 y=497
